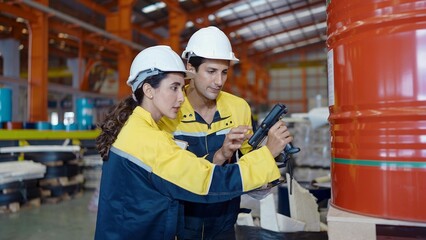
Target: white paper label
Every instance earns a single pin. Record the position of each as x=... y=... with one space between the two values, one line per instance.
x=330 y=73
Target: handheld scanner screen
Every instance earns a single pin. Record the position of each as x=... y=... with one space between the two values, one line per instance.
x=273 y=116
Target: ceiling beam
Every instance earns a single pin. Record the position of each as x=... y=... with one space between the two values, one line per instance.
x=234 y=28
x=175 y=5
x=147 y=33
x=251 y=41
x=192 y=15
x=310 y=47
x=205 y=12
x=95 y=7
x=82 y=24
x=269 y=51
x=79 y=35
x=17 y=11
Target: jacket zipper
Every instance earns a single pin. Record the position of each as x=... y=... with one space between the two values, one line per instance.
x=206 y=144
x=202 y=232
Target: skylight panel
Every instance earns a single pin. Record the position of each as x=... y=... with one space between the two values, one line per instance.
x=153 y=7
x=240 y=8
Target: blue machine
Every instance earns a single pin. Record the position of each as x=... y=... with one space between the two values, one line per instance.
x=84 y=113
x=5 y=104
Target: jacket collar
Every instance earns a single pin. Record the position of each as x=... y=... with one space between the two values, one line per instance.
x=144 y=115
x=187 y=112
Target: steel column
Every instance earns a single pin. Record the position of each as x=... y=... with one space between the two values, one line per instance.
x=38 y=65
x=120 y=24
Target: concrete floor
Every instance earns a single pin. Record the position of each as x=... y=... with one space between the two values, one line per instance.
x=71 y=219
x=68 y=219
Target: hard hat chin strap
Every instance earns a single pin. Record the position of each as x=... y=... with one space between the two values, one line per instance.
x=137 y=82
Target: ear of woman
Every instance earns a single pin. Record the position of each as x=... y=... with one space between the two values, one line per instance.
x=147 y=90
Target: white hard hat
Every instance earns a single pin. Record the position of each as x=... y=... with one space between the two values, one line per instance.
x=209 y=42
x=152 y=60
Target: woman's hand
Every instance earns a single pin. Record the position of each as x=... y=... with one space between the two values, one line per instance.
x=278 y=137
x=233 y=141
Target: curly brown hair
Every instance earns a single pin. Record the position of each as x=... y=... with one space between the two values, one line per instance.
x=117 y=117
x=112 y=125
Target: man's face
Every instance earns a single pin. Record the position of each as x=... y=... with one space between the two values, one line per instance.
x=210 y=78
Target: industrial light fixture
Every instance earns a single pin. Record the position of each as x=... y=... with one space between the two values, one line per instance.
x=153 y=7
x=211 y=17
x=62 y=35
x=189 y=24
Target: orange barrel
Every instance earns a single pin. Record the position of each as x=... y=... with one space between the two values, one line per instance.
x=377 y=101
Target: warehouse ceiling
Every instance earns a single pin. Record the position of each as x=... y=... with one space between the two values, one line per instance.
x=266 y=30
x=260 y=26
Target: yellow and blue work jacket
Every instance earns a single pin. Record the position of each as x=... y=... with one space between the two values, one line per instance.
x=208 y=220
x=147 y=173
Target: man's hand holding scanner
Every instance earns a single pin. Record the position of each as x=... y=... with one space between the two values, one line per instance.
x=278 y=138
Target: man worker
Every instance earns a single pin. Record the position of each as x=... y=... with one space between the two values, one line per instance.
x=207 y=115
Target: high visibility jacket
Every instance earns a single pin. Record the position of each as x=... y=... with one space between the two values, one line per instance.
x=208 y=220
x=147 y=173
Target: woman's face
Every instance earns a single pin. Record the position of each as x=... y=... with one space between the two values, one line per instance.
x=168 y=97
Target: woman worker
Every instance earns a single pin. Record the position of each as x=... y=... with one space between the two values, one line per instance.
x=145 y=172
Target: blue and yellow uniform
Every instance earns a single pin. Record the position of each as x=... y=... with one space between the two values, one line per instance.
x=142 y=181
x=205 y=139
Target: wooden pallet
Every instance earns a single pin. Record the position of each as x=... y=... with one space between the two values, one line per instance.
x=61 y=163
x=62 y=181
x=16 y=206
x=63 y=197
x=46 y=194
x=344 y=225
